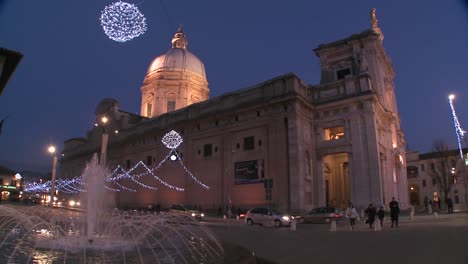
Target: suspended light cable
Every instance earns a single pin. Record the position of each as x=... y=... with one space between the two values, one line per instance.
x=458 y=129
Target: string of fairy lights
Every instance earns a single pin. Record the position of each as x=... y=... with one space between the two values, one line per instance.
x=115 y=180
x=458 y=129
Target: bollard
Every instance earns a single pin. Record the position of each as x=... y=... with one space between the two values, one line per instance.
x=333 y=226
x=429 y=210
x=362 y=213
x=377 y=226
x=293 y=225
x=436 y=215
x=224 y=217
x=237 y=217
x=411 y=215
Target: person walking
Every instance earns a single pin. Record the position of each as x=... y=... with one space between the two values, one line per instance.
x=381 y=215
x=371 y=212
x=352 y=214
x=394 y=212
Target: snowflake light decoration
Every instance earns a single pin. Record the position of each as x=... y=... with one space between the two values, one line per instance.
x=122 y=21
x=172 y=140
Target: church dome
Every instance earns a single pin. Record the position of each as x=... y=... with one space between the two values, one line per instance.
x=178 y=58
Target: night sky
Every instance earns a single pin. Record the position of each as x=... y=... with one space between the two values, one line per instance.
x=69 y=64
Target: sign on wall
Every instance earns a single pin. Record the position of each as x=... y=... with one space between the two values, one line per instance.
x=247 y=172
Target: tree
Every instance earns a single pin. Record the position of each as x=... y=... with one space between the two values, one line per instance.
x=442 y=169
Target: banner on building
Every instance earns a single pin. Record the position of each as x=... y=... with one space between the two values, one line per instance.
x=247 y=172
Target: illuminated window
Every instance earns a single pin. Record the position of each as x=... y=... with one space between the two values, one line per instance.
x=333 y=133
x=170 y=105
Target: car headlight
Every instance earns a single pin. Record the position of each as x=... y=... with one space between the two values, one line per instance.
x=285 y=218
x=71 y=203
x=202 y=215
x=193 y=214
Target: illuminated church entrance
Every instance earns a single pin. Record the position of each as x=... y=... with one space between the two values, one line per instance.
x=336 y=173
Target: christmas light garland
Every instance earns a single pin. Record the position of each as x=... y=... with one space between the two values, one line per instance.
x=171 y=140
x=458 y=129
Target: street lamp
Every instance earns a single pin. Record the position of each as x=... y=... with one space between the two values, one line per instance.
x=54 y=166
x=105 y=138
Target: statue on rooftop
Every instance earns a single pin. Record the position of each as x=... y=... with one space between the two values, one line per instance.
x=373 y=18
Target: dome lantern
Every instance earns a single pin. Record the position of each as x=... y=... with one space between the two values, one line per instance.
x=179 y=40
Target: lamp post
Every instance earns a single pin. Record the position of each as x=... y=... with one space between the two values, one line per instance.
x=54 y=166
x=105 y=138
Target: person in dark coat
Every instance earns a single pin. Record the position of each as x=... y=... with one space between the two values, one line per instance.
x=394 y=212
x=381 y=215
x=371 y=212
x=450 y=205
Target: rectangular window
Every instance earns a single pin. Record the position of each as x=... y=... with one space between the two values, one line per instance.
x=424 y=183
x=249 y=143
x=433 y=181
x=432 y=166
x=149 y=160
x=170 y=106
x=333 y=133
x=1 y=181
x=149 y=108
x=341 y=74
x=12 y=183
x=207 y=150
x=422 y=167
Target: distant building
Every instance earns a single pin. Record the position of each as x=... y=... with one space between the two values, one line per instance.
x=423 y=171
x=325 y=144
x=9 y=183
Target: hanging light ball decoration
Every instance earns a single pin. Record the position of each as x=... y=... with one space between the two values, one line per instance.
x=122 y=21
x=172 y=140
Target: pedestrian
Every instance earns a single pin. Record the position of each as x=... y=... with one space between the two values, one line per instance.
x=352 y=214
x=371 y=212
x=394 y=212
x=450 y=205
x=381 y=215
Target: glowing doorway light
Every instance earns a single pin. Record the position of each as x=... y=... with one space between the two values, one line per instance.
x=122 y=21
x=458 y=129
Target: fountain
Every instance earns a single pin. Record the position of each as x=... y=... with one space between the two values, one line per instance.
x=99 y=235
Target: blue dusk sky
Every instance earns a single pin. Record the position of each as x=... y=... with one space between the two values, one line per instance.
x=69 y=64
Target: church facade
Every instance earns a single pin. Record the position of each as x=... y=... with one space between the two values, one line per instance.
x=281 y=142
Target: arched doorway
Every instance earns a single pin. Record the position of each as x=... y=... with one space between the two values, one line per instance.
x=414 y=194
x=336 y=174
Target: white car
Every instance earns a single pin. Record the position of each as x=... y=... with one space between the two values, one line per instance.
x=264 y=215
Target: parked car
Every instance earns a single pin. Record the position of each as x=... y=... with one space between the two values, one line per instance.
x=321 y=215
x=265 y=215
x=186 y=209
x=15 y=196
